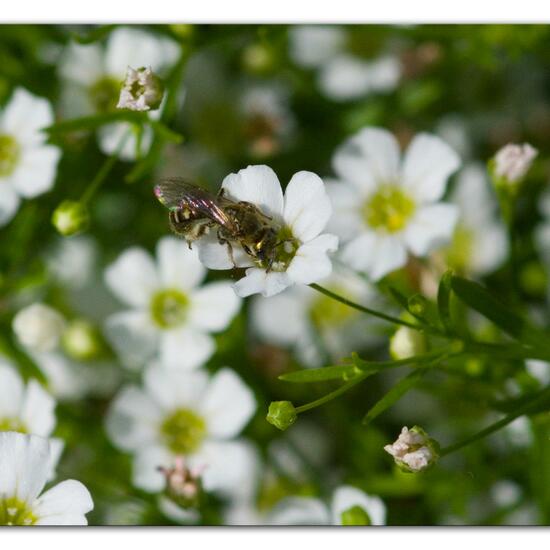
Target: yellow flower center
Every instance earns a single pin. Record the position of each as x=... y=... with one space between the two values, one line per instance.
x=183 y=431
x=9 y=154
x=9 y=424
x=104 y=94
x=16 y=512
x=169 y=308
x=326 y=312
x=389 y=209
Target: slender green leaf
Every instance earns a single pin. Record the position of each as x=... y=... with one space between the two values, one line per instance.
x=402 y=387
x=478 y=298
x=444 y=300
x=94 y=121
x=337 y=372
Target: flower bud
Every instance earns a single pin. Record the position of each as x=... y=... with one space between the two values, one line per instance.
x=355 y=515
x=417 y=304
x=183 y=484
x=512 y=162
x=141 y=91
x=407 y=342
x=282 y=414
x=38 y=327
x=70 y=218
x=81 y=340
x=414 y=451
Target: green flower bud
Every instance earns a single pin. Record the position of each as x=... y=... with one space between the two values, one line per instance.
x=407 y=342
x=417 y=304
x=282 y=414
x=355 y=516
x=70 y=218
x=81 y=340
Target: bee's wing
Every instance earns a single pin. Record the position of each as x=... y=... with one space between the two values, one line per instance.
x=176 y=193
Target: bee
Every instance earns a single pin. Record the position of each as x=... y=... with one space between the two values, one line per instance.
x=194 y=212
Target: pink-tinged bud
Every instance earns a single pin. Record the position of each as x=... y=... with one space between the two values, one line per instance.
x=414 y=451
x=183 y=484
x=142 y=90
x=512 y=162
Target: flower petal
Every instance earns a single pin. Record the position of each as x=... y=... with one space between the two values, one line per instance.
x=24 y=465
x=258 y=281
x=346 y=221
x=132 y=420
x=11 y=391
x=307 y=206
x=490 y=248
x=9 y=203
x=214 y=255
x=36 y=170
x=346 y=497
x=64 y=504
x=432 y=226
x=137 y=48
x=172 y=389
x=230 y=468
x=185 y=348
x=110 y=137
x=258 y=185
x=179 y=266
x=213 y=307
x=299 y=511
x=24 y=117
x=82 y=63
x=133 y=277
x=146 y=474
x=428 y=163
x=133 y=336
x=37 y=411
x=376 y=255
x=311 y=262
x=228 y=404
x=369 y=158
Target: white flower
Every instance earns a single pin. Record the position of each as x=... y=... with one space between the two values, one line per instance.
x=24 y=470
x=385 y=206
x=27 y=409
x=513 y=161
x=301 y=215
x=142 y=90
x=169 y=311
x=413 y=450
x=407 y=342
x=300 y=316
x=95 y=74
x=342 y=76
x=73 y=261
x=27 y=164
x=350 y=506
x=479 y=244
x=184 y=413
x=347 y=77
x=38 y=327
x=314 y=45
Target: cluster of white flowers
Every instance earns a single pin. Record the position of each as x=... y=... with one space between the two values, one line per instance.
x=28 y=462
x=341 y=75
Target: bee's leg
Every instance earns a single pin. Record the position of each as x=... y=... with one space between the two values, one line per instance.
x=222 y=241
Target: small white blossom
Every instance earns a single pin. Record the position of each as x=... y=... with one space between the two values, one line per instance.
x=513 y=161
x=184 y=413
x=38 y=327
x=27 y=164
x=169 y=311
x=386 y=206
x=350 y=506
x=142 y=90
x=25 y=466
x=413 y=450
x=407 y=342
x=301 y=215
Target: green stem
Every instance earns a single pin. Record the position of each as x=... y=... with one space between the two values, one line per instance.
x=520 y=411
x=369 y=311
x=336 y=393
x=107 y=166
